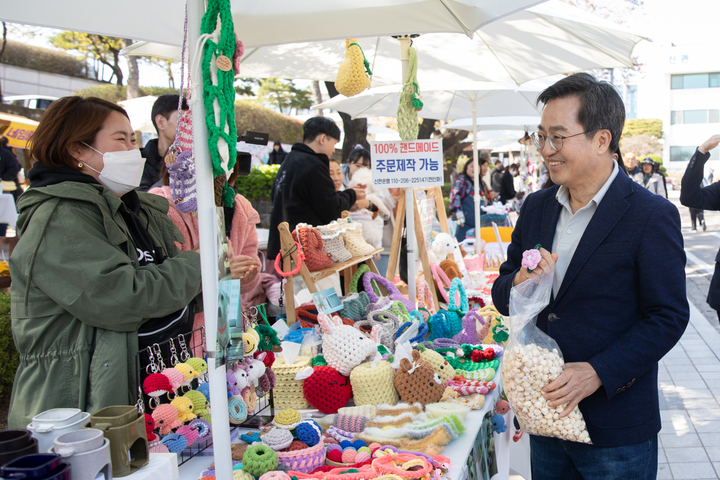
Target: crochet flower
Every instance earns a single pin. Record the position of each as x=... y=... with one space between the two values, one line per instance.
x=531 y=259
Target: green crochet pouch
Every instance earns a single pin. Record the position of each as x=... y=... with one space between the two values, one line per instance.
x=357 y=277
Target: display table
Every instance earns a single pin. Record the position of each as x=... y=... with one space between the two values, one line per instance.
x=161 y=465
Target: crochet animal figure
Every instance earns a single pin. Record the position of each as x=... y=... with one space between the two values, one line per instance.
x=149 y=427
x=327 y=390
x=184 y=407
x=197 y=364
x=156 y=385
x=451 y=269
x=188 y=371
x=176 y=378
x=502 y=407
x=166 y=417
x=232 y=384
x=498 y=423
x=200 y=403
x=256 y=369
x=266 y=381
x=241 y=375
x=344 y=347
x=441 y=366
x=443 y=245
x=417 y=381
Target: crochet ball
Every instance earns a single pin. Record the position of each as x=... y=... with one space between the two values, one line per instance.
x=359 y=444
x=327 y=390
x=374 y=446
x=309 y=432
x=277 y=439
x=296 y=445
x=259 y=459
x=348 y=456
x=335 y=456
x=362 y=457
x=287 y=417
x=345 y=444
x=333 y=446
x=365 y=449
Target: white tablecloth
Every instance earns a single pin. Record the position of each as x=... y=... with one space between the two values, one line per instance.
x=8 y=213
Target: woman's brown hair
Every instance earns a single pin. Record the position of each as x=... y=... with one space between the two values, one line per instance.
x=67 y=121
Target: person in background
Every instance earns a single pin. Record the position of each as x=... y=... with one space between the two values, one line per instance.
x=496 y=176
x=594 y=224
x=693 y=195
x=462 y=197
x=303 y=191
x=95 y=265
x=277 y=155
x=632 y=165
x=336 y=175
x=9 y=169
x=711 y=176
x=164 y=117
x=507 y=183
x=358 y=158
x=649 y=179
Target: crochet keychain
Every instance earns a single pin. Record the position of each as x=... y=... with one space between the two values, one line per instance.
x=351 y=78
x=531 y=258
x=218 y=92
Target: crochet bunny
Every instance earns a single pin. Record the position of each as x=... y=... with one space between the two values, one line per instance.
x=417 y=381
x=344 y=347
x=256 y=369
x=241 y=375
x=232 y=384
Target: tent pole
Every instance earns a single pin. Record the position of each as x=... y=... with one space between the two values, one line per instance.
x=207 y=225
x=476 y=179
x=405 y=43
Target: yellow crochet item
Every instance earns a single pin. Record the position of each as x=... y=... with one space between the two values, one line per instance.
x=4 y=269
x=351 y=77
x=184 y=407
x=399 y=409
x=288 y=392
x=242 y=475
x=433 y=444
x=444 y=370
x=373 y=384
x=487 y=330
x=287 y=418
x=368 y=411
x=187 y=371
x=476 y=401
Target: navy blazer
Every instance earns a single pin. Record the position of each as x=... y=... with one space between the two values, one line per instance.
x=621 y=306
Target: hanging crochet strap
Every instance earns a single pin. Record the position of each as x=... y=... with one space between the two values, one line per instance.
x=218 y=90
x=407 y=115
x=392 y=290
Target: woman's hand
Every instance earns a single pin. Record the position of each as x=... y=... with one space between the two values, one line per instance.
x=545 y=265
x=359 y=191
x=359 y=204
x=242 y=267
x=493 y=196
x=709 y=144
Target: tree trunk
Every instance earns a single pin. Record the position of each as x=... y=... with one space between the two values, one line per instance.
x=427 y=128
x=133 y=84
x=355 y=130
x=318 y=97
x=454 y=141
x=116 y=68
x=2 y=50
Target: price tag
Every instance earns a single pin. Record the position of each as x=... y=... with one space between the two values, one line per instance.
x=224 y=63
x=170 y=159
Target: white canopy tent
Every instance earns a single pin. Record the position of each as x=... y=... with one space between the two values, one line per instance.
x=528 y=123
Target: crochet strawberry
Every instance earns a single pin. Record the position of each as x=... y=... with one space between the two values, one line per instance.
x=327 y=390
x=488 y=354
x=477 y=356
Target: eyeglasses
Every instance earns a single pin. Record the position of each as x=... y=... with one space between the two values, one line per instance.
x=539 y=140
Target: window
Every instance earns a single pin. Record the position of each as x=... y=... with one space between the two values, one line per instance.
x=713 y=116
x=695 y=116
x=684 y=154
x=676 y=117
x=695 y=80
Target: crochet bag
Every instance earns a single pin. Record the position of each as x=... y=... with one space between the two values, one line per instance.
x=351 y=77
x=182 y=182
x=417 y=381
x=388 y=323
x=356 y=282
x=335 y=246
x=373 y=384
x=439 y=325
x=392 y=290
x=441 y=280
x=344 y=347
x=457 y=310
x=305 y=461
x=354 y=306
x=288 y=392
x=312 y=245
x=307 y=315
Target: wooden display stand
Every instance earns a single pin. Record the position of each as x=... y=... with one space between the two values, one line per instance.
x=290 y=255
x=433 y=193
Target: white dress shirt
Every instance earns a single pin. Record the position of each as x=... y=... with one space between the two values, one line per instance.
x=571 y=227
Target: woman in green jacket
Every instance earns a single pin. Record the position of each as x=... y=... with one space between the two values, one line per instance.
x=94 y=261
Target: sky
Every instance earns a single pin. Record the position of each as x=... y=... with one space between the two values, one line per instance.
x=665 y=22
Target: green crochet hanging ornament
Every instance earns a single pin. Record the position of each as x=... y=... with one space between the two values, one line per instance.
x=410 y=103
x=220 y=95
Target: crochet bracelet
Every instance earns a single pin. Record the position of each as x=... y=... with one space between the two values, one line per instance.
x=279 y=270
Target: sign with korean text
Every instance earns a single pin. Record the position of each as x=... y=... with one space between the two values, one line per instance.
x=413 y=163
x=19 y=134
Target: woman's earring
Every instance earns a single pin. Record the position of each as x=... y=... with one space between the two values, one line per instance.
x=81 y=164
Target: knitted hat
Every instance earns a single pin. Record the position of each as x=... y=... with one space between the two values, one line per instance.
x=343 y=346
x=175 y=443
x=259 y=459
x=373 y=384
x=166 y=418
x=277 y=439
x=184 y=407
x=417 y=381
x=438 y=364
x=190 y=433
x=326 y=389
x=309 y=432
x=350 y=423
x=287 y=419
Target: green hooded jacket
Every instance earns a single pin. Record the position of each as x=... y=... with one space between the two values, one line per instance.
x=78 y=296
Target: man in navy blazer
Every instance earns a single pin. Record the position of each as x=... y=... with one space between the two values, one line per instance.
x=619 y=302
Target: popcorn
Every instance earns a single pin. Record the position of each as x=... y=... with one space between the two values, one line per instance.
x=526 y=370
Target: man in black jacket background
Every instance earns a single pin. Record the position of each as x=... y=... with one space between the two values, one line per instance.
x=507 y=183
x=303 y=191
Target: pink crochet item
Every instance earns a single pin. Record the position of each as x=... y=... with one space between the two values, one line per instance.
x=531 y=259
x=441 y=280
x=166 y=417
x=424 y=297
x=344 y=347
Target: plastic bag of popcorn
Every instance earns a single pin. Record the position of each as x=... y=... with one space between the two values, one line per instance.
x=531 y=361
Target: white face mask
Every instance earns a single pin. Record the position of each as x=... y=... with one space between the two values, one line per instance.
x=122 y=171
x=513 y=173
